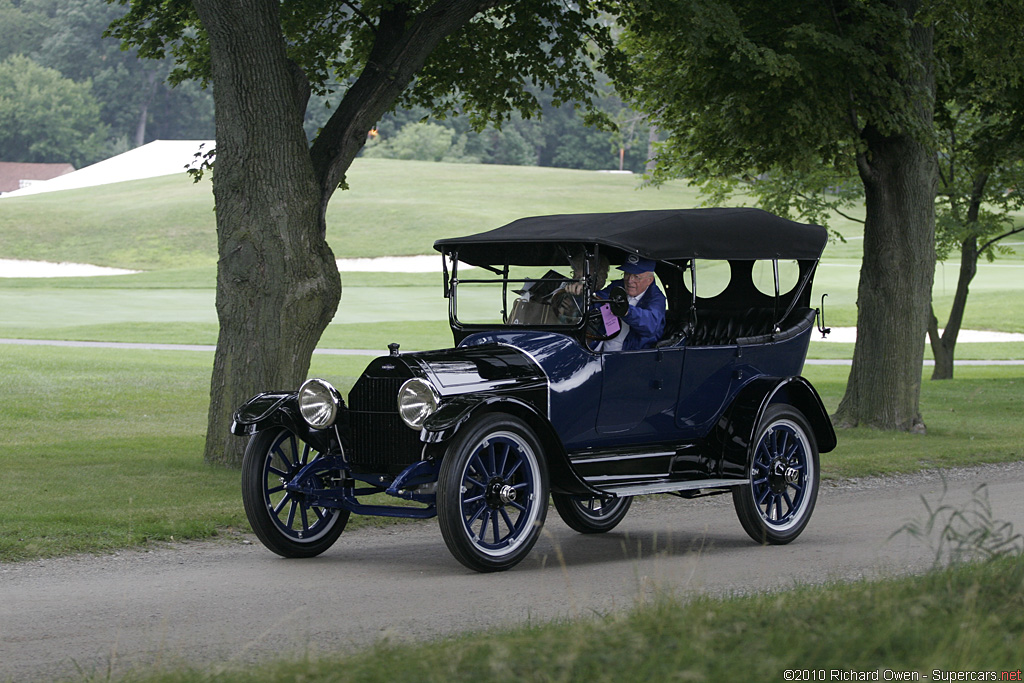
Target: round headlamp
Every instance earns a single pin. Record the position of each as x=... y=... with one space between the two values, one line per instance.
x=417 y=400
x=319 y=403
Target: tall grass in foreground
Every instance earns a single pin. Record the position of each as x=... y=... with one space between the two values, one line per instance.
x=967 y=618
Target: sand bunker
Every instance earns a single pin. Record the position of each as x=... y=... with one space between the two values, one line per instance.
x=16 y=268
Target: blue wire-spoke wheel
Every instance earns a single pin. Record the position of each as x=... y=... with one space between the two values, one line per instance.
x=591 y=515
x=283 y=520
x=493 y=493
x=776 y=503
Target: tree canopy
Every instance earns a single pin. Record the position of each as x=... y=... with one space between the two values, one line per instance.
x=748 y=86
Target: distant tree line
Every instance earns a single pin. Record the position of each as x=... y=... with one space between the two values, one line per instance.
x=69 y=94
x=557 y=138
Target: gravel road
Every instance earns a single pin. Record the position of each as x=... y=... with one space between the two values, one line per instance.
x=230 y=601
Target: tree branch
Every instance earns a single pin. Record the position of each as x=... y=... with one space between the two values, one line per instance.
x=397 y=56
x=359 y=13
x=848 y=217
x=996 y=239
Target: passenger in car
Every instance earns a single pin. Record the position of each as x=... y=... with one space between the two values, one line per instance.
x=644 y=322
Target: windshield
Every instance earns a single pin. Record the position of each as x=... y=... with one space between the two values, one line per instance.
x=528 y=295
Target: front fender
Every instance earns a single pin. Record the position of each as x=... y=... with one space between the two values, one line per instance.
x=278 y=409
x=443 y=424
x=262 y=411
x=446 y=422
x=733 y=435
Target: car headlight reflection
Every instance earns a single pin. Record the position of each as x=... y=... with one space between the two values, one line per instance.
x=319 y=403
x=417 y=400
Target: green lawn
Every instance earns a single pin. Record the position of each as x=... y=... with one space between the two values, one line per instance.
x=102 y=449
x=393 y=208
x=378 y=308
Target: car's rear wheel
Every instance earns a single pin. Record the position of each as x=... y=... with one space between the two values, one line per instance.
x=776 y=503
x=492 y=493
x=591 y=515
x=285 y=521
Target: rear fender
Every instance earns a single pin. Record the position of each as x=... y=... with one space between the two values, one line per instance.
x=733 y=435
x=446 y=422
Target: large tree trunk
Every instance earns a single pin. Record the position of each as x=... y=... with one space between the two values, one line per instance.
x=277 y=282
x=894 y=294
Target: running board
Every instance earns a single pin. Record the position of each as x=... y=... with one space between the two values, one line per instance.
x=623 y=490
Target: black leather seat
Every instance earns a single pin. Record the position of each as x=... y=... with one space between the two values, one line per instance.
x=725 y=327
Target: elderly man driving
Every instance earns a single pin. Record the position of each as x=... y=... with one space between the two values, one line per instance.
x=644 y=322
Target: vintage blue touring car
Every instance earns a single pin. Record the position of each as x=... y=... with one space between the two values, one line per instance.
x=531 y=405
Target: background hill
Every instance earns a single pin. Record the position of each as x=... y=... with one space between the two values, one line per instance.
x=392 y=208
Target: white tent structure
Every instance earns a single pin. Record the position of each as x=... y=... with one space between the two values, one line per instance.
x=158 y=158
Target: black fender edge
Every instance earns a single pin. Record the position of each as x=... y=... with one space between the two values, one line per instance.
x=733 y=435
x=445 y=423
x=278 y=409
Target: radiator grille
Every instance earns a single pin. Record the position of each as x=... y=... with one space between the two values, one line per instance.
x=379 y=437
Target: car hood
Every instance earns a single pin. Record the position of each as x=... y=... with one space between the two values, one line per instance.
x=475 y=368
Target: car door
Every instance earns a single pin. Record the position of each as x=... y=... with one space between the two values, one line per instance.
x=705 y=384
x=639 y=393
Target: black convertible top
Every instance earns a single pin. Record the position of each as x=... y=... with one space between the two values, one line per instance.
x=668 y=234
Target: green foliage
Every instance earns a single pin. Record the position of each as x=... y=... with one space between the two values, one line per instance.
x=775 y=102
x=981 y=167
x=783 y=103
x=130 y=90
x=47 y=118
x=979 y=123
x=747 y=87
x=135 y=99
x=415 y=141
x=23 y=26
x=561 y=136
x=479 y=71
x=538 y=42
x=963 y=533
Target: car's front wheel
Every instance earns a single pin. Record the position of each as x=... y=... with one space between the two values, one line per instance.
x=591 y=515
x=776 y=503
x=492 y=493
x=283 y=520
